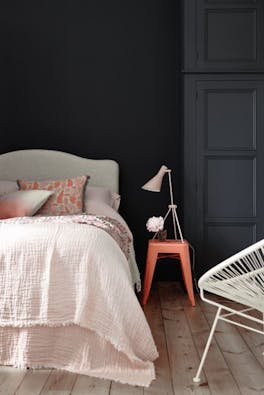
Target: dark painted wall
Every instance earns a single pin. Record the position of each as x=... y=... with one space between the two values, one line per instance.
x=98 y=79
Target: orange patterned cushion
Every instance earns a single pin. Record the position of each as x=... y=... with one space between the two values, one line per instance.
x=67 y=198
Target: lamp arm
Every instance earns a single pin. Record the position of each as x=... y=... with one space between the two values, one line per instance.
x=170 y=184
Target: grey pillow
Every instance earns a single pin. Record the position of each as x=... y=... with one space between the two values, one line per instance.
x=103 y=195
x=8 y=187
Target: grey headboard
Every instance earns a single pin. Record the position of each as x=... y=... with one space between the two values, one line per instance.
x=38 y=164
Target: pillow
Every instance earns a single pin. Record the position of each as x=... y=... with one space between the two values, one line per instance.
x=22 y=203
x=100 y=194
x=67 y=198
x=7 y=187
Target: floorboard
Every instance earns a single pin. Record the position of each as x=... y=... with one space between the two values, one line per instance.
x=234 y=365
x=33 y=382
x=245 y=368
x=219 y=378
x=59 y=383
x=10 y=378
x=122 y=389
x=85 y=385
x=163 y=383
x=182 y=352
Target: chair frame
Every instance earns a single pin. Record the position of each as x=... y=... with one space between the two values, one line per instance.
x=224 y=313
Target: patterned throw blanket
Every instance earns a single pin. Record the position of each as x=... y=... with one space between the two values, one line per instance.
x=113 y=227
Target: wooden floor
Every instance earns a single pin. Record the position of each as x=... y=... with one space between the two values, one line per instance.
x=234 y=365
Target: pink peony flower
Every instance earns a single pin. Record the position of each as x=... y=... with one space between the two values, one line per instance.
x=154 y=224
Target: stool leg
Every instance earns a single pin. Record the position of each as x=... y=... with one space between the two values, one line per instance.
x=187 y=273
x=150 y=267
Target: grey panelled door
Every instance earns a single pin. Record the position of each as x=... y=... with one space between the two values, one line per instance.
x=223 y=35
x=224 y=164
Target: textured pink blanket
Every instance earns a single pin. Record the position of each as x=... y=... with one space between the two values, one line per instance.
x=67 y=301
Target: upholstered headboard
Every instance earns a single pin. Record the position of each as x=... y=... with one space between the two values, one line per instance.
x=38 y=164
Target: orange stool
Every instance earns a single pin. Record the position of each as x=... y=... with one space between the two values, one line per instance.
x=168 y=248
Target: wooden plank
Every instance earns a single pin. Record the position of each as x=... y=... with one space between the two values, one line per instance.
x=10 y=378
x=86 y=385
x=182 y=352
x=122 y=389
x=180 y=332
x=162 y=385
x=169 y=292
x=219 y=378
x=59 y=383
x=33 y=382
x=243 y=365
x=254 y=341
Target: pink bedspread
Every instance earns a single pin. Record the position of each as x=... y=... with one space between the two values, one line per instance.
x=68 y=300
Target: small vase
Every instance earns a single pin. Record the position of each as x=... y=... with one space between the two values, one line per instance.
x=162 y=234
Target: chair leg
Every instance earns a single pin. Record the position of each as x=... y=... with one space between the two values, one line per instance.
x=263 y=327
x=196 y=379
x=150 y=267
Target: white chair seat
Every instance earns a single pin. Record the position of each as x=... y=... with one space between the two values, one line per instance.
x=239 y=278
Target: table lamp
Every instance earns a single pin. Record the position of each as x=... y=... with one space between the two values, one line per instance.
x=154 y=185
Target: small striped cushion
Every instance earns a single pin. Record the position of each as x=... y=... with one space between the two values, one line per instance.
x=22 y=203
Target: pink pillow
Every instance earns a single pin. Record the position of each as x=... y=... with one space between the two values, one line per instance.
x=22 y=203
x=67 y=198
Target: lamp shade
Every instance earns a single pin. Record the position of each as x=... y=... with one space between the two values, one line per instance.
x=154 y=184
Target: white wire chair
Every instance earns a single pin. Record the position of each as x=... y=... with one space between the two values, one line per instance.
x=239 y=278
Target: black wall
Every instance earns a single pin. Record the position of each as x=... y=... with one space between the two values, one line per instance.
x=99 y=79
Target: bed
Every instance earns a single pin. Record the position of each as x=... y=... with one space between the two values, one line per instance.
x=67 y=281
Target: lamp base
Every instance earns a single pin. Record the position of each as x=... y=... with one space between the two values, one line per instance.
x=176 y=224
